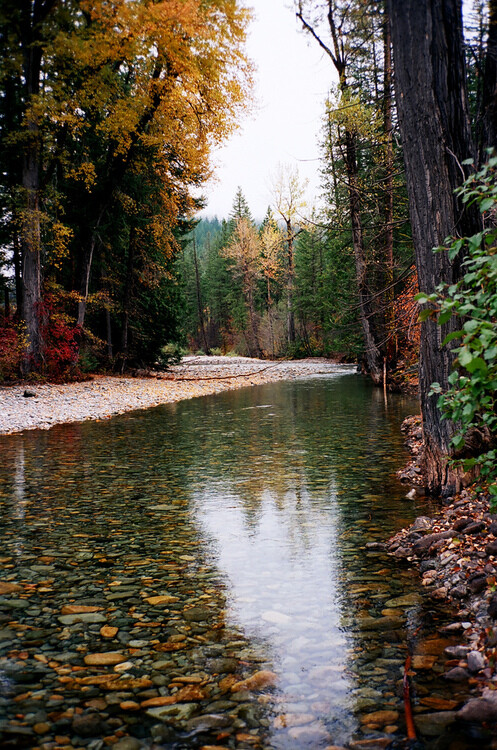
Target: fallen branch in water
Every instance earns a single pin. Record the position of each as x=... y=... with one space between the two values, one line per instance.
x=411 y=730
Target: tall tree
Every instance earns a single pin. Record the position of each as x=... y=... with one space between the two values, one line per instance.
x=244 y=252
x=25 y=28
x=240 y=209
x=344 y=27
x=289 y=204
x=270 y=262
x=430 y=83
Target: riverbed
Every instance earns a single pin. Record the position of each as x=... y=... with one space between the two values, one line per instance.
x=200 y=575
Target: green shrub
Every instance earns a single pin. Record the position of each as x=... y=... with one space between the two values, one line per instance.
x=170 y=354
x=471 y=400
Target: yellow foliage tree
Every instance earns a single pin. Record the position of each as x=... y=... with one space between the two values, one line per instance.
x=244 y=251
x=117 y=88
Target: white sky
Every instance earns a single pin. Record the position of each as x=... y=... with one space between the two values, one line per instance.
x=292 y=80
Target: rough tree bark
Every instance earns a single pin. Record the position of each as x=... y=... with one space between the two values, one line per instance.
x=430 y=86
x=30 y=43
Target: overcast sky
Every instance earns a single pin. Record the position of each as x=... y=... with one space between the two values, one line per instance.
x=292 y=80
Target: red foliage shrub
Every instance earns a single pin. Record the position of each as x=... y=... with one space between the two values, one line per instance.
x=60 y=336
x=11 y=345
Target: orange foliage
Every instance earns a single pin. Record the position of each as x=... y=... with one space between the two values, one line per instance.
x=407 y=331
x=186 y=81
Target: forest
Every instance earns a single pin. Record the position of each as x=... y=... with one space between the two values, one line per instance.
x=109 y=113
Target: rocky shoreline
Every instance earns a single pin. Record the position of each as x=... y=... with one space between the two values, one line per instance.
x=456 y=553
x=40 y=406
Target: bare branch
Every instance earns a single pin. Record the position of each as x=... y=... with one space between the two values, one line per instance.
x=307 y=26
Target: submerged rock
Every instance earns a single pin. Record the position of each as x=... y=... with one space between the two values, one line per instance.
x=431 y=725
x=173 y=714
x=257 y=681
x=480 y=709
x=89 y=725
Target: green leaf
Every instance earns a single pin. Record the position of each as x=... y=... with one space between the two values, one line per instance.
x=470 y=326
x=486 y=204
x=491 y=353
x=475 y=240
x=464 y=357
x=476 y=363
x=425 y=314
x=453 y=377
x=454 y=248
x=452 y=336
x=458 y=442
x=444 y=316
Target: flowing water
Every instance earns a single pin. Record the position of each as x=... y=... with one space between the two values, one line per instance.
x=196 y=575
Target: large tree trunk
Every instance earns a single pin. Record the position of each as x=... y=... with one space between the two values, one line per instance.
x=30 y=236
x=430 y=85
x=18 y=273
x=366 y=312
x=31 y=267
x=33 y=15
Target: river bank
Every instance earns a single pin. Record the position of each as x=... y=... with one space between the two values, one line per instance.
x=456 y=554
x=28 y=406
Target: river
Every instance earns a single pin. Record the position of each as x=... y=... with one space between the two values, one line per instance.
x=196 y=575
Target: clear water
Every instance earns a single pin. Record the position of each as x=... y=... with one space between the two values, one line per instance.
x=251 y=511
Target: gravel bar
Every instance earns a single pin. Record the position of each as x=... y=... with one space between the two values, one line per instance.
x=28 y=406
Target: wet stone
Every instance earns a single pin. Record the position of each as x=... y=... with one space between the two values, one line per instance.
x=492 y=607
x=433 y=724
x=491 y=548
x=89 y=725
x=127 y=743
x=474 y=528
x=14 y=603
x=207 y=723
x=91 y=617
x=223 y=666
x=476 y=661
x=197 y=614
x=457 y=674
x=173 y=714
